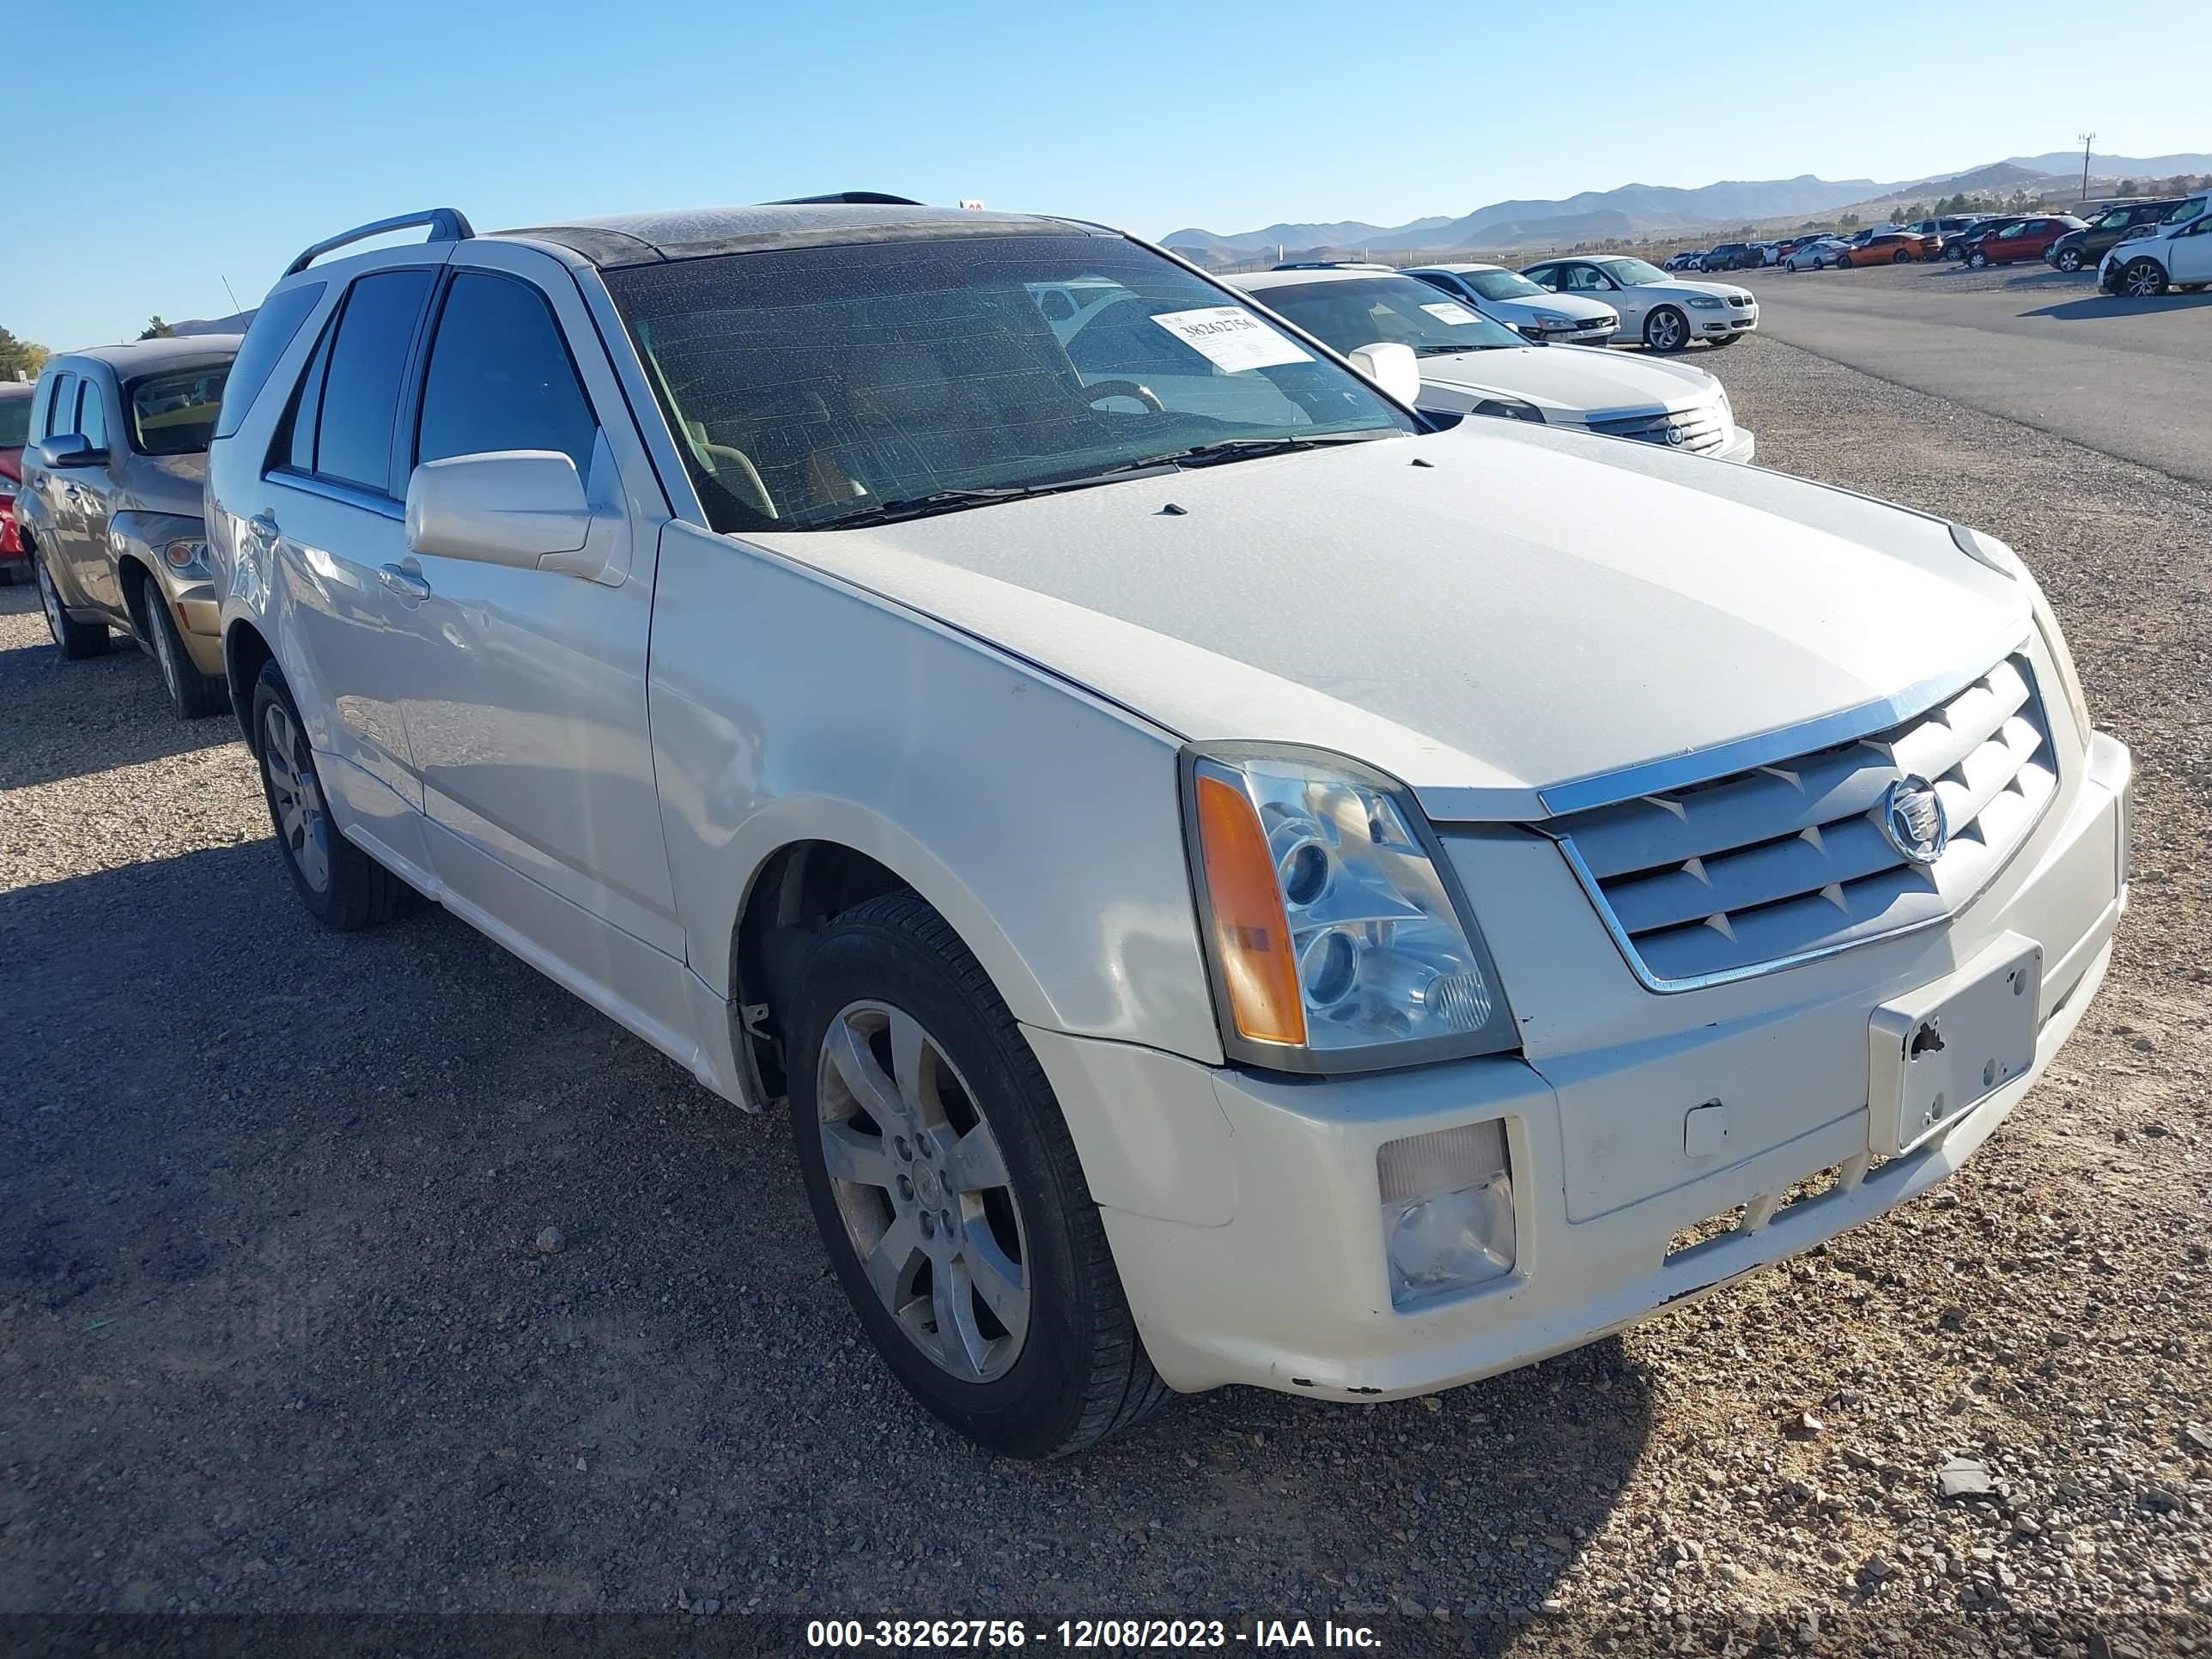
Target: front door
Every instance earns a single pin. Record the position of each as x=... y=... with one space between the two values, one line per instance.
x=2190 y=252
x=91 y=491
x=528 y=715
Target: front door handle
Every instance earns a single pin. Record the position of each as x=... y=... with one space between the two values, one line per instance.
x=408 y=584
x=263 y=528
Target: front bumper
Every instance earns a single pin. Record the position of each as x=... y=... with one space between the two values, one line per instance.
x=1732 y=319
x=1741 y=447
x=1243 y=1212
x=192 y=601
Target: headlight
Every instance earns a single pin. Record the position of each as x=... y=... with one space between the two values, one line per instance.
x=184 y=555
x=1704 y=302
x=1333 y=935
x=1511 y=409
x=1553 y=319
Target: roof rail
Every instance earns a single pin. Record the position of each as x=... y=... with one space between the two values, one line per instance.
x=850 y=197
x=446 y=225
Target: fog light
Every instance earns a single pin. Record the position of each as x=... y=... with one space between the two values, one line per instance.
x=1447 y=1210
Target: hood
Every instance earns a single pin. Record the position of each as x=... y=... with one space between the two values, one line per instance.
x=1574 y=379
x=1526 y=609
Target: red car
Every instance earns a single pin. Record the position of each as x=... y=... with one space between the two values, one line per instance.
x=14 y=430
x=2021 y=238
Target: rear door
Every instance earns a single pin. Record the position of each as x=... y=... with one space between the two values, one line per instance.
x=525 y=695
x=330 y=506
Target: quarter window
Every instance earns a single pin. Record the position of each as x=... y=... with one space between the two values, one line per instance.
x=266 y=337
x=361 y=385
x=500 y=377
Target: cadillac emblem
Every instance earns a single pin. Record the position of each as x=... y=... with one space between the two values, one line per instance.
x=1675 y=436
x=1912 y=817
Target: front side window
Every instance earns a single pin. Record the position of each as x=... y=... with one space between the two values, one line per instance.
x=1632 y=273
x=92 y=414
x=361 y=388
x=175 y=414
x=1387 y=309
x=1588 y=279
x=811 y=388
x=500 y=377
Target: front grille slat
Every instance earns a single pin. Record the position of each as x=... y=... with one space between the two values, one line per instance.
x=1701 y=427
x=1780 y=862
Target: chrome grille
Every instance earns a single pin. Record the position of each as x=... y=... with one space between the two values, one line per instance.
x=1702 y=429
x=1779 y=863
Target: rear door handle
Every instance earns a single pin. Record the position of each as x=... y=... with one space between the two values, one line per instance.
x=408 y=584
x=263 y=528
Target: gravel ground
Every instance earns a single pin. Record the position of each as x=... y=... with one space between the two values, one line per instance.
x=276 y=1334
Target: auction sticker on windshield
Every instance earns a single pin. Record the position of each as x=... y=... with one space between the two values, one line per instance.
x=1231 y=337
x=1450 y=311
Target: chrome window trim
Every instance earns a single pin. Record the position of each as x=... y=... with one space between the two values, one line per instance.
x=1650 y=982
x=374 y=500
x=1823 y=731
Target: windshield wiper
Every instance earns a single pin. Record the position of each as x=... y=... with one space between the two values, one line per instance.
x=1249 y=449
x=954 y=500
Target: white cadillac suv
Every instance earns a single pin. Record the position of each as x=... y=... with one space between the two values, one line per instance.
x=1508 y=297
x=1229 y=884
x=1466 y=364
x=1664 y=311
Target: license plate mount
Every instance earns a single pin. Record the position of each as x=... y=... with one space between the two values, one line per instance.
x=1936 y=1052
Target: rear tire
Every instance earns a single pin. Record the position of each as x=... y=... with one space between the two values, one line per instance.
x=906 y=1066
x=75 y=640
x=342 y=886
x=193 y=695
x=1902 y=257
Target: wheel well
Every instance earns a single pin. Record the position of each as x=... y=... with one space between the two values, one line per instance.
x=801 y=887
x=134 y=577
x=244 y=654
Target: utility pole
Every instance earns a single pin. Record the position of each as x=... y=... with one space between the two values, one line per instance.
x=2087 y=139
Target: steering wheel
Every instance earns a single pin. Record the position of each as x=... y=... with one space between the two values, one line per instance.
x=1099 y=391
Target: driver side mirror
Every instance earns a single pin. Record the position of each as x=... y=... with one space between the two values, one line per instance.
x=1391 y=366
x=68 y=449
x=523 y=508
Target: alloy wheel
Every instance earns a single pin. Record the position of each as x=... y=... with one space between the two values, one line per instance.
x=2071 y=260
x=2143 y=279
x=1664 y=331
x=923 y=1190
x=302 y=823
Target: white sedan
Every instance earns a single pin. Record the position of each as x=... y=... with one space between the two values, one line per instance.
x=1506 y=296
x=1662 y=311
x=1470 y=365
x=1816 y=255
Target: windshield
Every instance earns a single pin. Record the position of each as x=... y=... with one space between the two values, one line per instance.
x=1501 y=284
x=173 y=413
x=14 y=423
x=1633 y=273
x=1400 y=309
x=812 y=386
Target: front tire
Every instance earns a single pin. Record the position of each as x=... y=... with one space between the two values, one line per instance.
x=2070 y=260
x=342 y=886
x=75 y=640
x=1977 y=261
x=948 y=1192
x=1666 y=330
x=2144 y=279
x=193 y=695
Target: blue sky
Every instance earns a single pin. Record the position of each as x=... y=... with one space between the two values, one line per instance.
x=219 y=138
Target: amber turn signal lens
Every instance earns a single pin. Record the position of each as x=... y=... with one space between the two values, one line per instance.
x=1251 y=934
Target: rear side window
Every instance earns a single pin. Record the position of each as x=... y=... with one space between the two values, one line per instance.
x=500 y=377
x=60 y=406
x=266 y=337
x=361 y=385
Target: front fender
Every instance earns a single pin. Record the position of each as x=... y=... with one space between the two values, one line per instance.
x=1044 y=825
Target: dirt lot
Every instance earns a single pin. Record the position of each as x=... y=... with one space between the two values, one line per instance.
x=274 y=1337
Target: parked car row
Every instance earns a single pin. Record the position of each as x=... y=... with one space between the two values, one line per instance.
x=1232 y=878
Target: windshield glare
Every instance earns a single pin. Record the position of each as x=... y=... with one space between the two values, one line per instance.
x=1633 y=273
x=1501 y=284
x=809 y=386
x=1373 y=310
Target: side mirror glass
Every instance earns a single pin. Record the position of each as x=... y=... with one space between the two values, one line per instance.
x=1391 y=366
x=524 y=508
x=68 y=449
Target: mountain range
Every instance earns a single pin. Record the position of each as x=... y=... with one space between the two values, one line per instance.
x=1643 y=211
